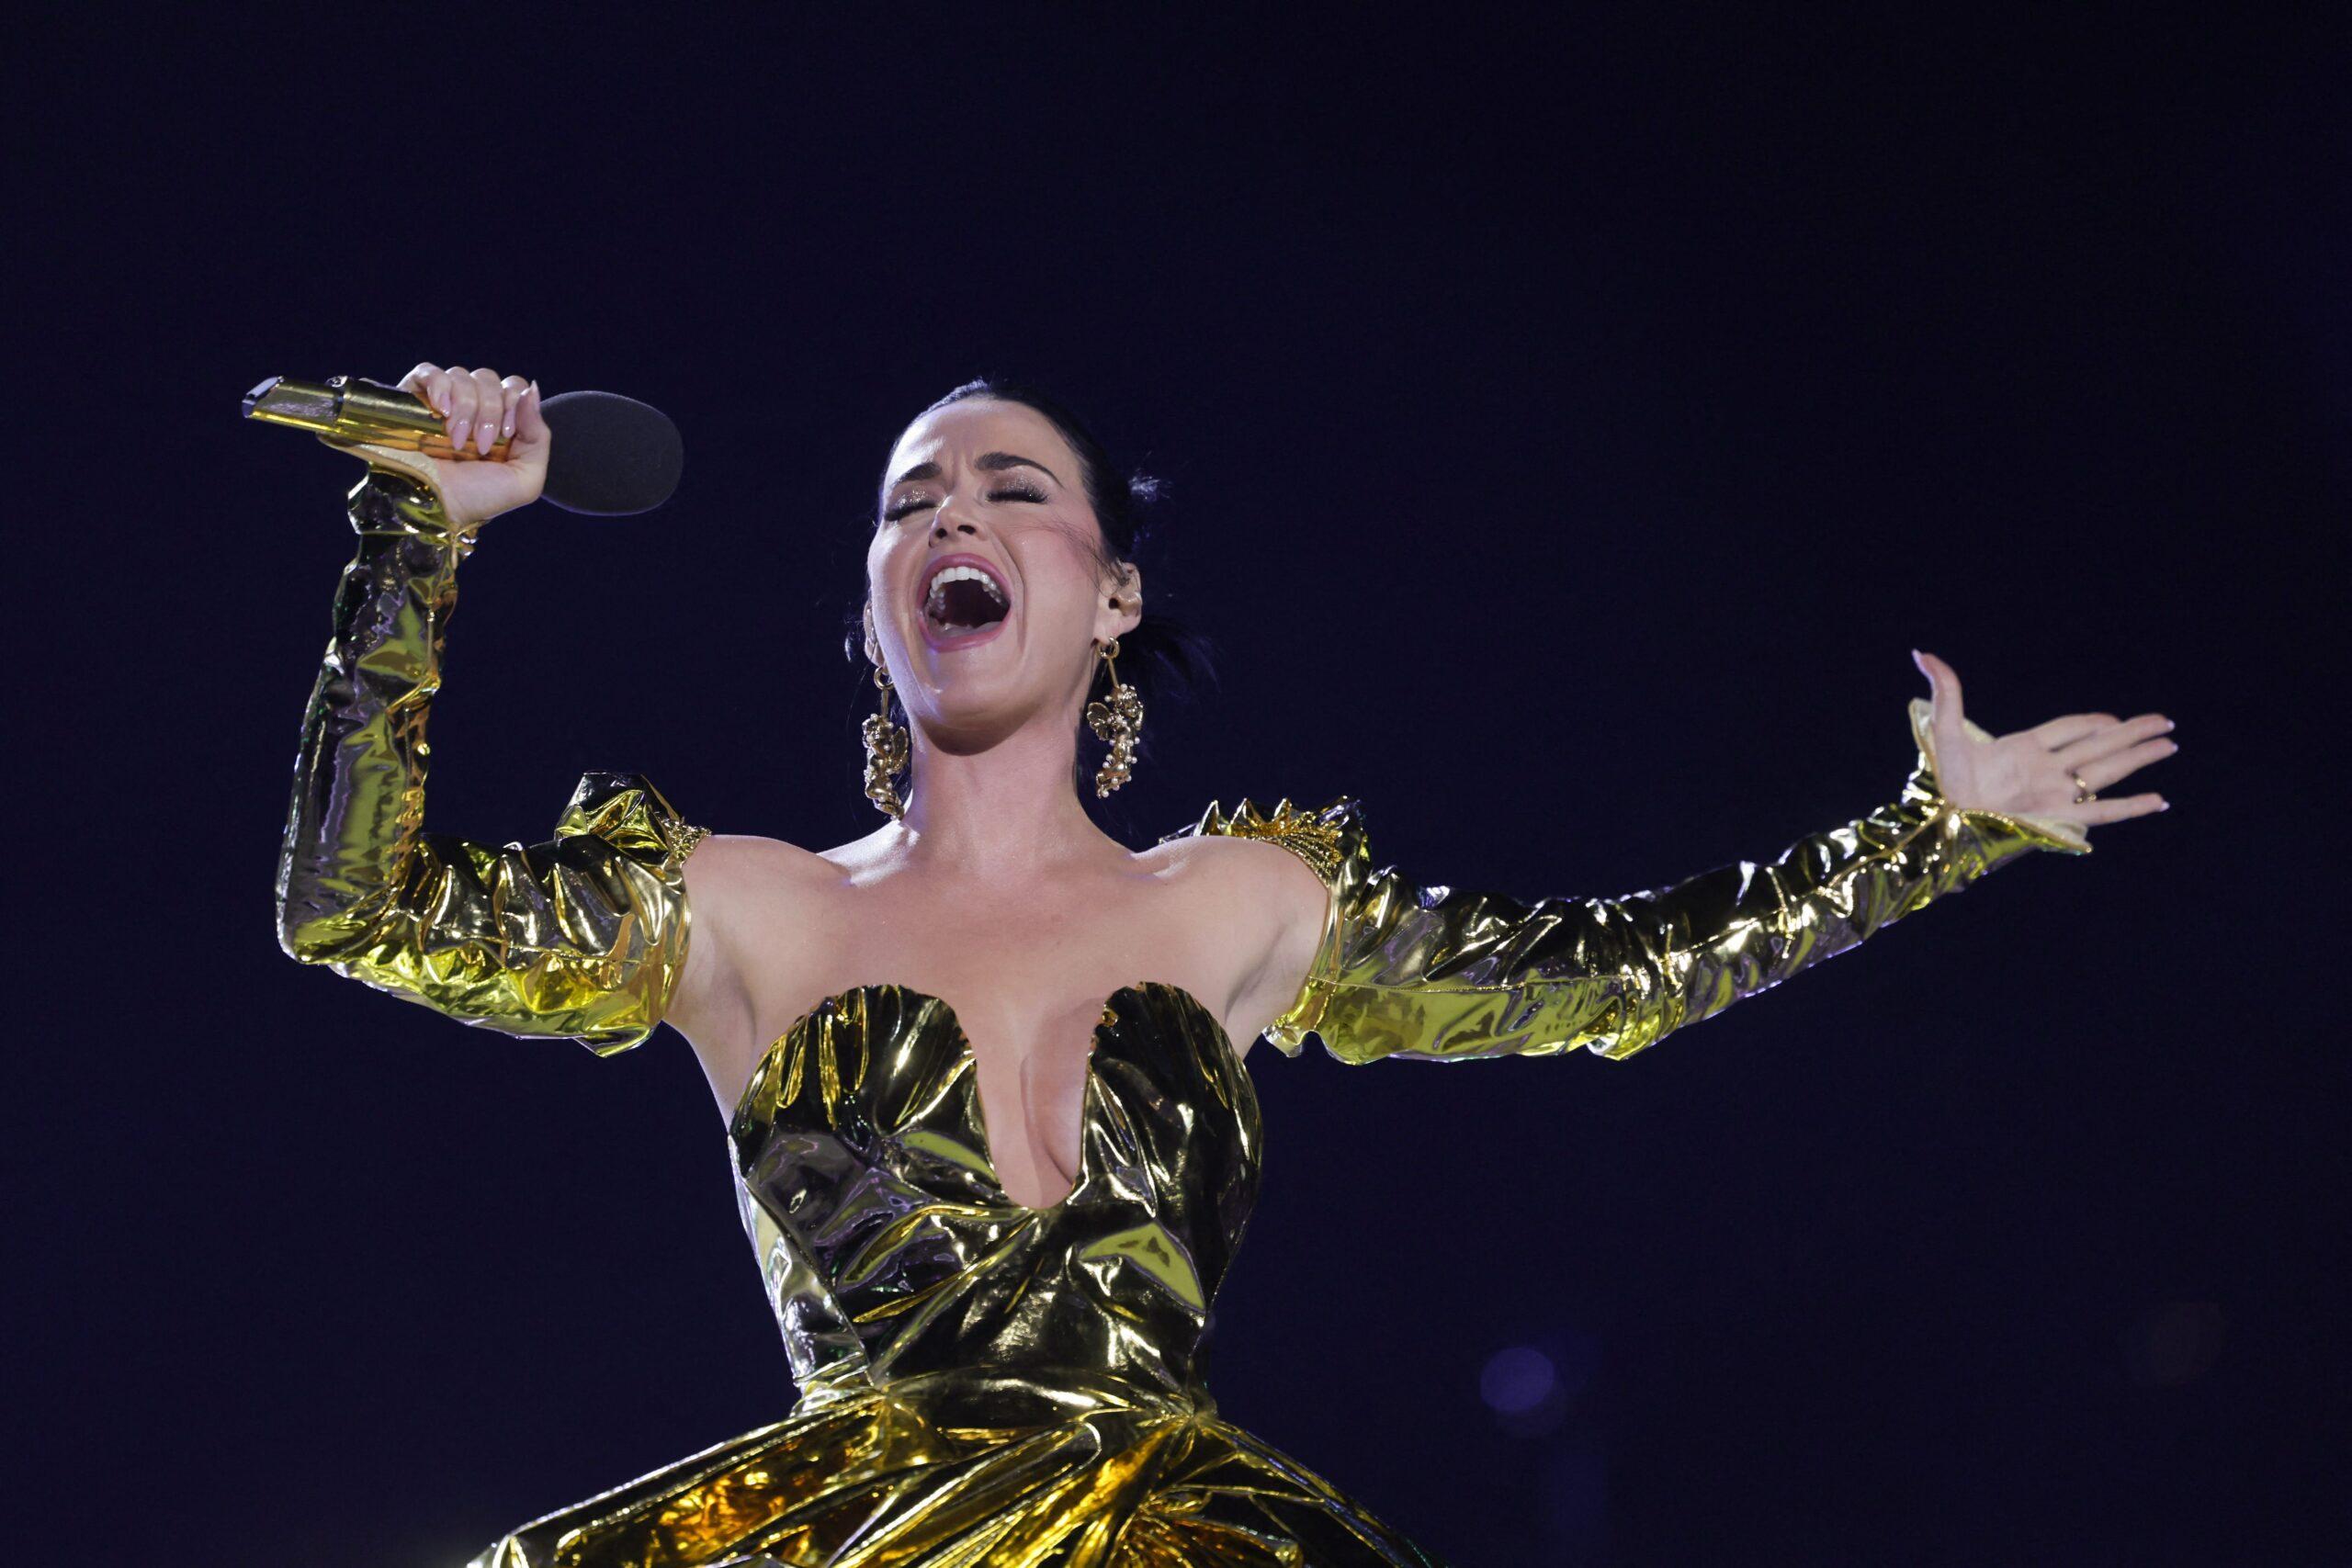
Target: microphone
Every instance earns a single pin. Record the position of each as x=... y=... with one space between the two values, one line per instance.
x=612 y=456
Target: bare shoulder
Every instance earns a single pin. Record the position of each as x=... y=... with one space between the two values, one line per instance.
x=738 y=886
x=1256 y=870
x=742 y=886
x=1267 y=907
x=735 y=866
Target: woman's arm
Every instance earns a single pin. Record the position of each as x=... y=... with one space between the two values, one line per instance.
x=1430 y=971
x=583 y=935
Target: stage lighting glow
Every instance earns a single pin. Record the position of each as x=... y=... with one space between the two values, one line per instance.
x=1517 y=1380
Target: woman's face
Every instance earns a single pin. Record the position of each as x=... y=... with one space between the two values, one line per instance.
x=990 y=486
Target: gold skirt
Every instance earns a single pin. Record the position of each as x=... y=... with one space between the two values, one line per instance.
x=972 y=1467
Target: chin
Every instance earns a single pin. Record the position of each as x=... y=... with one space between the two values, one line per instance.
x=961 y=687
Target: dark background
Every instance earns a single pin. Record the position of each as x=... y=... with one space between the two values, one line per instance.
x=1569 y=426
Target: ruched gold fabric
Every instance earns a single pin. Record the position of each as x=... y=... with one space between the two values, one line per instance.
x=1432 y=973
x=982 y=1383
x=584 y=935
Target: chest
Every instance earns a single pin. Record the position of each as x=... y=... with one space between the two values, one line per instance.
x=874 y=1205
x=1026 y=974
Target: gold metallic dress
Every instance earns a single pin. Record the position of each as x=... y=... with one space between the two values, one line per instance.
x=981 y=1382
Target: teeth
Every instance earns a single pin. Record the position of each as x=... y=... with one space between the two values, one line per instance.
x=935 y=606
x=967 y=574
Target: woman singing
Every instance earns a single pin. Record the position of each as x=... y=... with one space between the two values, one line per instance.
x=982 y=1070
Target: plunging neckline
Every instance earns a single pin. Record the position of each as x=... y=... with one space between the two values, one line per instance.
x=970 y=1060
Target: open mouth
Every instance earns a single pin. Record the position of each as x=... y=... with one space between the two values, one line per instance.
x=962 y=600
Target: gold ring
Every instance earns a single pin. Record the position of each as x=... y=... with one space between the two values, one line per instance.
x=2083 y=792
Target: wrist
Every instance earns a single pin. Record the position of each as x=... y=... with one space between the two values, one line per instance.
x=386 y=502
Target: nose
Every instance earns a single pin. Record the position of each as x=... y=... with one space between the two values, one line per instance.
x=943 y=527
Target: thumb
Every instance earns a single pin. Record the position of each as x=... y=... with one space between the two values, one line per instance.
x=534 y=441
x=1943 y=687
x=530 y=425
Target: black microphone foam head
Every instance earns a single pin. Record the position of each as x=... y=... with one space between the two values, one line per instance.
x=614 y=456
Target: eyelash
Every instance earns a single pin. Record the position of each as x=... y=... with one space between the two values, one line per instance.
x=1019 y=492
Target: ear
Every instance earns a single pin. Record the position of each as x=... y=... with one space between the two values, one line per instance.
x=1120 y=610
x=873 y=647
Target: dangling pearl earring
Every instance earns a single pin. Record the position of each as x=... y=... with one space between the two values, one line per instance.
x=885 y=754
x=1117 y=722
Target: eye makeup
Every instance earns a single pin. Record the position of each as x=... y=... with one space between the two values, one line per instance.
x=917 y=503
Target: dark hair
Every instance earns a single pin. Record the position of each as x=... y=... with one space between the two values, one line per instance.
x=1162 y=658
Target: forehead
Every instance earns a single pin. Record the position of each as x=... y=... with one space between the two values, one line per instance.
x=961 y=431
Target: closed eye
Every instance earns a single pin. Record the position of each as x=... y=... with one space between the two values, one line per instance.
x=917 y=503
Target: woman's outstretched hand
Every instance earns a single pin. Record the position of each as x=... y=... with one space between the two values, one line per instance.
x=2033 y=772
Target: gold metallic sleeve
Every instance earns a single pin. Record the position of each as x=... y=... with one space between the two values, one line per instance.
x=583 y=935
x=1437 y=974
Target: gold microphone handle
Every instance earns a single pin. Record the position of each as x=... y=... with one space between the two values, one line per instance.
x=355 y=409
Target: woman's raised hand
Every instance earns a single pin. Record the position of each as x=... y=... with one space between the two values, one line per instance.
x=479 y=408
x=2033 y=771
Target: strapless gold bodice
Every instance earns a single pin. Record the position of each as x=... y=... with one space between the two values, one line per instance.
x=890 y=1248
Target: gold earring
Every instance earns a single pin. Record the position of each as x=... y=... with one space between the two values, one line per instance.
x=885 y=754
x=1117 y=722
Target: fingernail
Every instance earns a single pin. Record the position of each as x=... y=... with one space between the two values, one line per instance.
x=458 y=437
x=2163 y=806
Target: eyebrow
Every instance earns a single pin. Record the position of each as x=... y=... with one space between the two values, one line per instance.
x=989 y=460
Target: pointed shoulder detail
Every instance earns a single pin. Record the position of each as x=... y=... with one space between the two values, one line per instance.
x=1328 y=839
x=627 y=812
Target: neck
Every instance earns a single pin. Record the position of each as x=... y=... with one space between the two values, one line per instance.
x=1001 y=811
